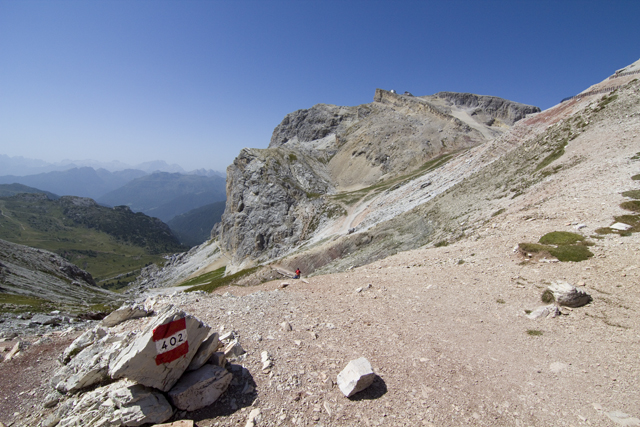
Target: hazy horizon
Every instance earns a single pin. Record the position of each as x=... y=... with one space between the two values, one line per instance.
x=22 y=166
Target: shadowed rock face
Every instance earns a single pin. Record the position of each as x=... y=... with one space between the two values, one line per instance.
x=276 y=197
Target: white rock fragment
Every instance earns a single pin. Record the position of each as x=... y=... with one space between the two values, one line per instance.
x=254 y=418
x=233 y=349
x=355 y=377
x=568 y=295
x=623 y=419
x=620 y=226
x=227 y=336
x=266 y=360
x=124 y=313
x=15 y=351
x=363 y=288
x=286 y=326
x=544 y=312
x=200 y=388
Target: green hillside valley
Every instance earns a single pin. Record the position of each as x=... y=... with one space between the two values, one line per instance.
x=112 y=244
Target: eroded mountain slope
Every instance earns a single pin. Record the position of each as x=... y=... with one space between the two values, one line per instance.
x=288 y=194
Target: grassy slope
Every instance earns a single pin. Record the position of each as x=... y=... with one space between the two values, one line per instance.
x=45 y=224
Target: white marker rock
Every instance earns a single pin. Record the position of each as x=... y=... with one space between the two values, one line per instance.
x=162 y=352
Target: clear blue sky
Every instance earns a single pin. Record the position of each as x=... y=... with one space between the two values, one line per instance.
x=193 y=82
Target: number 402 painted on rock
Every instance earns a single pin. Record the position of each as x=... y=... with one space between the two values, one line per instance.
x=171 y=341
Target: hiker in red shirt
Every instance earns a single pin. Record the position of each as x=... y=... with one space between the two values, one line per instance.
x=297 y=276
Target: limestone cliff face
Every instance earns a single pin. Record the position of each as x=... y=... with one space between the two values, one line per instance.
x=313 y=124
x=280 y=197
x=489 y=108
x=270 y=197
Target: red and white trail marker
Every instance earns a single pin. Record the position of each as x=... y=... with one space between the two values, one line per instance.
x=171 y=341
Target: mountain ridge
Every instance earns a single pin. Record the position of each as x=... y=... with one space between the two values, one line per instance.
x=286 y=207
x=277 y=197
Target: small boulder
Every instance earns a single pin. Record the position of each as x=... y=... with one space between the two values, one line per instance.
x=568 y=295
x=355 y=377
x=15 y=351
x=254 y=418
x=233 y=349
x=200 y=388
x=51 y=399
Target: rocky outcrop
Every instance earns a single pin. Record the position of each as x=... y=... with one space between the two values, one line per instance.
x=45 y=275
x=489 y=108
x=135 y=368
x=312 y=124
x=90 y=366
x=270 y=194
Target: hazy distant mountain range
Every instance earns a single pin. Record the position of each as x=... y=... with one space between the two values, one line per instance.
x=155 y=188
x=22 y=166
x=82 y=182
x=8 y=190
x=107 y=242
x=164 y=195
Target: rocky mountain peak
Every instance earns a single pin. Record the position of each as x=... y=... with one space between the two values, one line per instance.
x=489 y=108
x=311 y=124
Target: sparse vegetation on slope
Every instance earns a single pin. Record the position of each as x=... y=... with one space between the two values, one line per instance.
x=208 y=282
x=563 y=245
